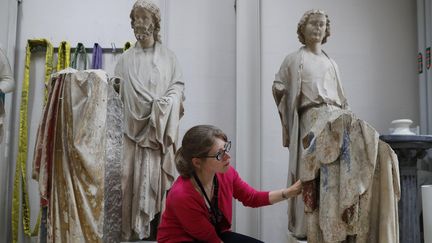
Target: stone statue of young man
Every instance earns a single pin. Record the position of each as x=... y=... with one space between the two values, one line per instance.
x=151 y=89
x=350 y=178
x=7 y=84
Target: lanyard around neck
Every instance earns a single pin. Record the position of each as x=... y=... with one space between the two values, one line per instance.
x=216 y=215
x=216 y=188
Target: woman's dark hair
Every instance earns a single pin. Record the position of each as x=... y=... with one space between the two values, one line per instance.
x=197 y=142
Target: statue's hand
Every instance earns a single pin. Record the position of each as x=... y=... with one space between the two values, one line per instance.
x=278 y=90
x=165 y=100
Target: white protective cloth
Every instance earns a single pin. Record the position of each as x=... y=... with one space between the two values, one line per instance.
x=79 y=139
x=76 y=204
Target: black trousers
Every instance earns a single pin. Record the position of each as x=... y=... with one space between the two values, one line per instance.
x=231 y=237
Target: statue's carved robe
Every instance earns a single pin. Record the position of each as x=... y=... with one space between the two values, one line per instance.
x=350 y=177
x=152 y=92
x=6 y=85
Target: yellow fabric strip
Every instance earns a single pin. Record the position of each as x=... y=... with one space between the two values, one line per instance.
x=48 y=65
x=20 y=171
x=63 y=59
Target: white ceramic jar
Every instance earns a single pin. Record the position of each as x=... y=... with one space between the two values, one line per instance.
x=402 y=127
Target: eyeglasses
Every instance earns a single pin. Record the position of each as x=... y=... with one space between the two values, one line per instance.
x=221 y=154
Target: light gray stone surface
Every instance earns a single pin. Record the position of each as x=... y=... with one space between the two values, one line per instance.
x=112 y=207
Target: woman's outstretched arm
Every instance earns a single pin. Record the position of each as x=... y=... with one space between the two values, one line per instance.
x=283 y=194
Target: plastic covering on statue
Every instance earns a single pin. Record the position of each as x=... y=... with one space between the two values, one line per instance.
x=151 y=88
x=77 y=158
x=350 y=178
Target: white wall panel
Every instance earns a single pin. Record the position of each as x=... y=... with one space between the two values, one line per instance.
x=249 y=109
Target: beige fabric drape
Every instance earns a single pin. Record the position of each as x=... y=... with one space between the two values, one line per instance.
x=45 y=140
x=76 y=208
x=75 y=146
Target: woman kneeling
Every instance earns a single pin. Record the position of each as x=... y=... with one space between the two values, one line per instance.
x=199 y=204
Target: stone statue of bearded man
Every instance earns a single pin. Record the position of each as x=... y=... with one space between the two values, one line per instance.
x=151 y=88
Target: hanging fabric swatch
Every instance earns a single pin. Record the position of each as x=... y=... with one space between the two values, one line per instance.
x=63 y=56
x=44 y=146
x=97 y=57
x=44 y=139
x=44 y=150
x=113 y=168
x=20 y=171
x=79 y=54
x=127 y=45
x=79 y=146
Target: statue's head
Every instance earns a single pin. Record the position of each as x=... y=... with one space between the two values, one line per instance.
x=145 y=20
x=304 y=20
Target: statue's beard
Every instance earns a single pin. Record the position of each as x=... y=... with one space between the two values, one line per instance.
x=143 y=32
